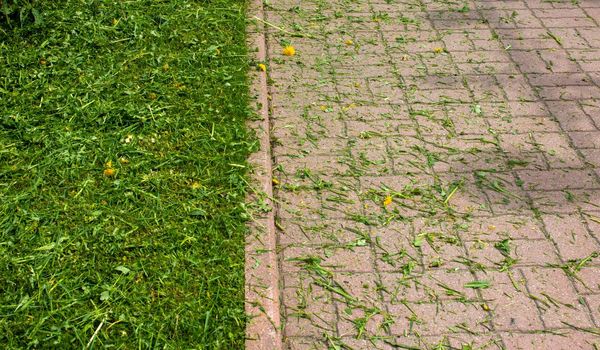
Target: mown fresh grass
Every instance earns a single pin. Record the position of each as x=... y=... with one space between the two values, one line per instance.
x=148 y=255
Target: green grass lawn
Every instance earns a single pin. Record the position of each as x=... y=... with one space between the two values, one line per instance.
x=122 y=175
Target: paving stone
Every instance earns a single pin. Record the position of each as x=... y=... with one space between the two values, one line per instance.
x=497 y=228
x=571 y=236
x=558 y=151
x=565 y=201
x=304 y=343
x=556 y=298
x=568 y=340
x=570 y=116
x=521 y=124
x=558 y=179
x=588 y=280
x=438 y=318
x=593 y=302
x=361 y=322
x=524 y=252
x=586 y=139
x=303 y=231
x=420 y=146
x=512 y=309
x=592 y=110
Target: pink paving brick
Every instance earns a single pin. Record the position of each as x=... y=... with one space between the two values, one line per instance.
x=354 y=343
x=556 y=298
x=465 y=340
x=497 y=228
x=570 y=116
x=592 y=156
x=295 y=231
x=571 y=236
x=443 y=284
x=362 y=322
x=309 y=311
x=558 y=79
x=397 y=288
x=524 y=252
x=530 y=62
x=420 y=146
x=558 y=179
x=521 y=124
x=569 y=340
x=593 y=302
x=588 y=280
x=302 y=343
x=558 y=151
x=565 y=201
x=588 y=139
x=438 y=318
x=512 y=309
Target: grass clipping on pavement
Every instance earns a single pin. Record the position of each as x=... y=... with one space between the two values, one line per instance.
x=122 y=175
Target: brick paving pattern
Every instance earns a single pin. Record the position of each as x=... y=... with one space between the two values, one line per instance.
x=437 y=173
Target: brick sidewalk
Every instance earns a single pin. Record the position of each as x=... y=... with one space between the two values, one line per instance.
x=437 y=172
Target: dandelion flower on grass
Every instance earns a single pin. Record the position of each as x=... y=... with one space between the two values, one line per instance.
x=438 y=50
x=108 y=169
x=289 y=50
x=387 y=201
x=108 y=172
x=262 y=67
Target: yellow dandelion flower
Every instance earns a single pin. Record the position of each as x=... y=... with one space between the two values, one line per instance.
x=262 y=67
x=438 y=50
x=196 y=185
x=275 y=182
x=349 y=42
x=387 y=201
x=108 y=164
x=109 y=172
x=289 y=50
